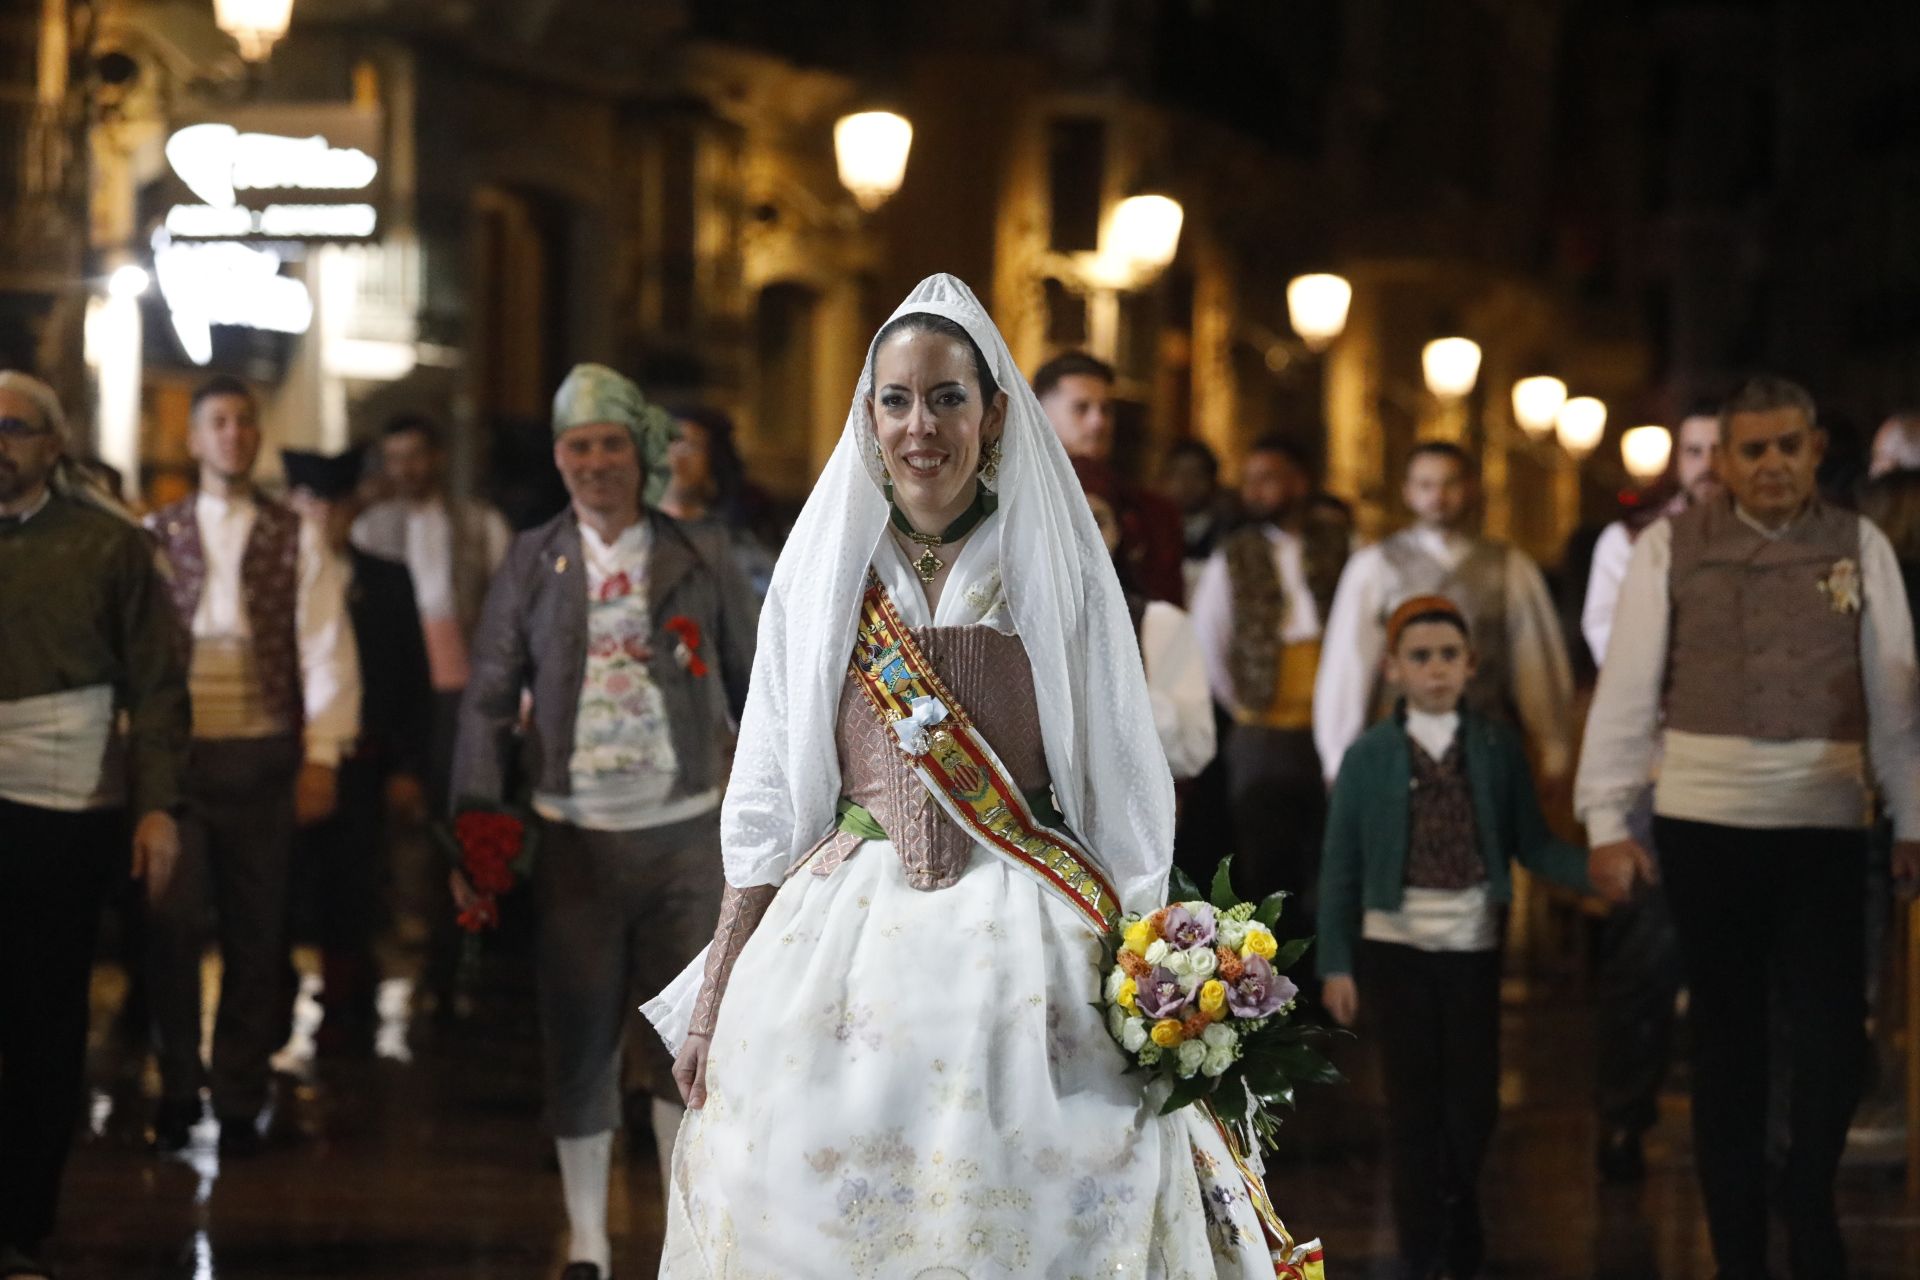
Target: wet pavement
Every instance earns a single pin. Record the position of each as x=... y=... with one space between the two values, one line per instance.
x=428 y=1163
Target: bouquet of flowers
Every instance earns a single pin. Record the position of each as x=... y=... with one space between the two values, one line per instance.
x=491 y=848
x=1197 y=993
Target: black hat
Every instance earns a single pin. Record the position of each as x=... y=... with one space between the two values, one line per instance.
x=321 y=475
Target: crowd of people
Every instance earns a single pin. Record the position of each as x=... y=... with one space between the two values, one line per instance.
x=245 y=701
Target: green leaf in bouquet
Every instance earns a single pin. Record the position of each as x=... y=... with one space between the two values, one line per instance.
x=1270 y=907
x=1289 y=954
x=1224 y=898
x=1187 y=1092
x=1231 y=1099
x=1181 y=886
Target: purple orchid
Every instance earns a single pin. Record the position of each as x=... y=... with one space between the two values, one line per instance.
x=1186 y=929
x=1159 y=995
x=1259 y=991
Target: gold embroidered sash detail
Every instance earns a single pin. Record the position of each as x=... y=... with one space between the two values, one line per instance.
x=958 y=766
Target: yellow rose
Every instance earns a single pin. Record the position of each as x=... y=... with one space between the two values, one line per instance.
x=1168 y=1033
x=1260 y=942
x=1140 y=935
x=1213 y=999
x=1124 y=995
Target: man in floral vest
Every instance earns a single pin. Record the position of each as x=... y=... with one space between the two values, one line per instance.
x=275 y=684
x=1763 y=645
x=634 y=634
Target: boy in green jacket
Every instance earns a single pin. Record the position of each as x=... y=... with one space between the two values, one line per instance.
x=1431 y=809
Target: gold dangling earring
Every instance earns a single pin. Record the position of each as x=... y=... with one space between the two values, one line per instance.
x=990 y=464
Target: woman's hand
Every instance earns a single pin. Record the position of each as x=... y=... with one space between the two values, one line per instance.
x=1341 y=997
x=690 y=1070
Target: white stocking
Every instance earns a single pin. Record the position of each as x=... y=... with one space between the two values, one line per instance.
x=666 y=1129
x=584 y=1165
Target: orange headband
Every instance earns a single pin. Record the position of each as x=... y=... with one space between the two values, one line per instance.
x=1426 y=606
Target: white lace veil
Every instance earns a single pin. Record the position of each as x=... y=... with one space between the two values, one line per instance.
x=1110 y=777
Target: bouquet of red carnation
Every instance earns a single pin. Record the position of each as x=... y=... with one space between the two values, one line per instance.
x=491 y=850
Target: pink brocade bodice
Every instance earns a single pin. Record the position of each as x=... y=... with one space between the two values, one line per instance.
x=988 y=674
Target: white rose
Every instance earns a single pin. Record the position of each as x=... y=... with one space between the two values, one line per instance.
x=1202 y=962
x=1133 y=1034
x=1116 y=1022
x=1216 y=1061
x=1233 y=934
x=1176 y=963
x=1114 y=980
x=1192 y=1054
x=1157 y=951
x=1220 y=1036
x=1189 y=983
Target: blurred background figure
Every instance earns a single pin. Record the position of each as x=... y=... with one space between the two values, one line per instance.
x=1896 y=445
x=342 y=863
x=1076 y=392
x=1522 y=673
x=707 y=482
x=451 y=546
x=1259 y=629
x=1190 y=480
x=1176 y=675
x=275 y=681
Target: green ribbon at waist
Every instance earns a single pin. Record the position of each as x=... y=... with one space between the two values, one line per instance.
x=857 y=820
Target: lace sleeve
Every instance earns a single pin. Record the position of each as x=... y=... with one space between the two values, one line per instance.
x=740 y=912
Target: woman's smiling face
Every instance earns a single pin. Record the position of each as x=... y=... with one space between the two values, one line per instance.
x=932 y=423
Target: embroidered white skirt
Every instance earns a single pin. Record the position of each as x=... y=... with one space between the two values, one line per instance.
x=919 y=1084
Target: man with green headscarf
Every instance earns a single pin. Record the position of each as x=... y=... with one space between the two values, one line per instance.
x=635 y=635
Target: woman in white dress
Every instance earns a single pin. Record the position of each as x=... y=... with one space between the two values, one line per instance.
x=892 y=1052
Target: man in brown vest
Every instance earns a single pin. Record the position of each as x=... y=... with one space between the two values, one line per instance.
x=275 y=683
x=1763 y=646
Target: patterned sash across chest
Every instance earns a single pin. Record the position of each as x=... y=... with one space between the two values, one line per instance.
x=959 y=768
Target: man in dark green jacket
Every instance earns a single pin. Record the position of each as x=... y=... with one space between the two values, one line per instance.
x=1431 y=809
x=85 y=635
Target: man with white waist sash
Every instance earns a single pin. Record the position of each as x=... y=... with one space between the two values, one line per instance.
x=1763 y=647
x=86 y=635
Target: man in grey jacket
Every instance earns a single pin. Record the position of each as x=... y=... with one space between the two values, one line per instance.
x=634 y=634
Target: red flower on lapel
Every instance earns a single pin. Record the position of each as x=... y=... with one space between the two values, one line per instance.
x=687 y=632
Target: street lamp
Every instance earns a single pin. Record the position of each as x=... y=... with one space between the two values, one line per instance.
x=1452 y=366
x=255 y=25
x=1645 y=451
x=871 y=150
x=1144 y=233
x=1536 y=404
x=1317 y=305
x=1580 y=424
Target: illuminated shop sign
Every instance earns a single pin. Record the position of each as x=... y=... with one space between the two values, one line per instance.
x=278 y=173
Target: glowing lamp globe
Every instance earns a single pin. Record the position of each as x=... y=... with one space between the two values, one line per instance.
x=1580 y=424
x=255 y=25
x=1451 y=366
x=1536 y=404
x=1317 y=305
x=1645 y=451
x=871 y=149
x=1145 y=232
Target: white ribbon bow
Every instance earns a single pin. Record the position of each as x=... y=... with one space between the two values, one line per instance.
x=912 y=729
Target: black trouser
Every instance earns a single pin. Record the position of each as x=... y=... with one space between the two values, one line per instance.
x=339 y=869
x=1436 y=1015
x=1783 y=909
x=1639 y=980
x=1279 y=799
x=55 y=871
x=236 y=847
